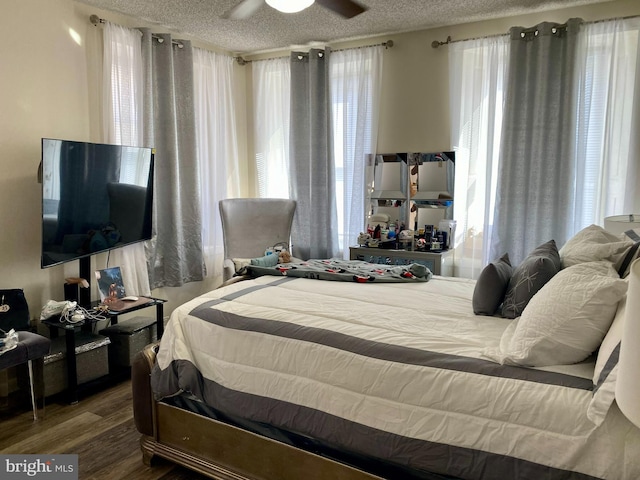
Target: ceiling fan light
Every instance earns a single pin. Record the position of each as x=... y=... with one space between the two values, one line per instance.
x=289 y=6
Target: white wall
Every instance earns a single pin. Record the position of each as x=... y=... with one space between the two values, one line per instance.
x=43 y=93
x=48 y=48
x=49 y=87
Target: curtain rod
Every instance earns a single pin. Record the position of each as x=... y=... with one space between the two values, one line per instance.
x=386 y=45
x=436 y=43
x=96 y=20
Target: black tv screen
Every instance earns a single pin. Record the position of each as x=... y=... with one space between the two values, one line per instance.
x=95 y=197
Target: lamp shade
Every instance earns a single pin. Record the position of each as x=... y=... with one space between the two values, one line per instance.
x=618 y=224
x=628 y=381
x=289 y=6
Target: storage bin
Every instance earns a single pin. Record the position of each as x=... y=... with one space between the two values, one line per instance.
x=92 y=361
x=128 y=337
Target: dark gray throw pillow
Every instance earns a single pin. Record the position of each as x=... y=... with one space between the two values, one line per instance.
x=549 y=250
x=529 y=277
x=492 y=286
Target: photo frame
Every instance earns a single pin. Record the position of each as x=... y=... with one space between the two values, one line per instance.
x=110 y=284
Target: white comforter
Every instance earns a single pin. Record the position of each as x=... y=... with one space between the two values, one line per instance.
x=402 y=359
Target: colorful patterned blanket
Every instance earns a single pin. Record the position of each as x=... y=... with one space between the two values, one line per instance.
x=346 y=271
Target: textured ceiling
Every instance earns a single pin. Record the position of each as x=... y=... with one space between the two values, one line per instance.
x=269 y=30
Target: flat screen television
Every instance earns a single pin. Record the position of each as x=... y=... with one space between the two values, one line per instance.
x=95 y=197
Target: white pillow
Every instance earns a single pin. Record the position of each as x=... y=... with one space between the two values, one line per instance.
x=566 y=320
x=592 y=244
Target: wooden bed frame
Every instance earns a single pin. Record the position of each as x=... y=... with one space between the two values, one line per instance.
x=216 y=449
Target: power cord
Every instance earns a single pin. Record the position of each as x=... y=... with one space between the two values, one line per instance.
x=73 y=313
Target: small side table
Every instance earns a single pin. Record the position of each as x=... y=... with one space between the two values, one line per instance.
x=153 y=302
x=70 y=330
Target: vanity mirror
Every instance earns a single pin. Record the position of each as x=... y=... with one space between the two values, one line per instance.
x=413 y=189
x=405 y=192
x=432 y=180
x=389 y=190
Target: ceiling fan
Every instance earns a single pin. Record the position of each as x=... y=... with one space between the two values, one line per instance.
x=245 y=8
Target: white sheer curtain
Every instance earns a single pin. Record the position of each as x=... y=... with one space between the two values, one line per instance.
x=608 y=121
x=477 y=72
x=355 y=79
x=355 y=76
x=607 y=147
x=122 y=124
x=217 y=144
x=271 y=102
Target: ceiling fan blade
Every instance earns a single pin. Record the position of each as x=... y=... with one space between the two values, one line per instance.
x=346 y=8
x=243 y=9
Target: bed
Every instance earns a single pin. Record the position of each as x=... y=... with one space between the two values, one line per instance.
x=278 y=377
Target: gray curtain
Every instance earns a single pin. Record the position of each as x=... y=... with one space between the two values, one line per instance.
x=536 y=191
x=314 y=232
x=175 y=253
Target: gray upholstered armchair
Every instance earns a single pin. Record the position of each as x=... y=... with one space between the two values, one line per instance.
x=250 y=225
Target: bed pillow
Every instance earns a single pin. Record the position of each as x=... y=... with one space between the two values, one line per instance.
x=529 y=277
x=491 y=286
x=566 y=320
x=592 y=244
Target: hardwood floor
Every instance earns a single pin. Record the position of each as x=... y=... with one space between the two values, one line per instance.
x=99 y=428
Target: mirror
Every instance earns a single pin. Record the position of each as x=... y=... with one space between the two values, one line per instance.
x=432 y=180
x=389 y=188
x=389 y=177
x=410 y=190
